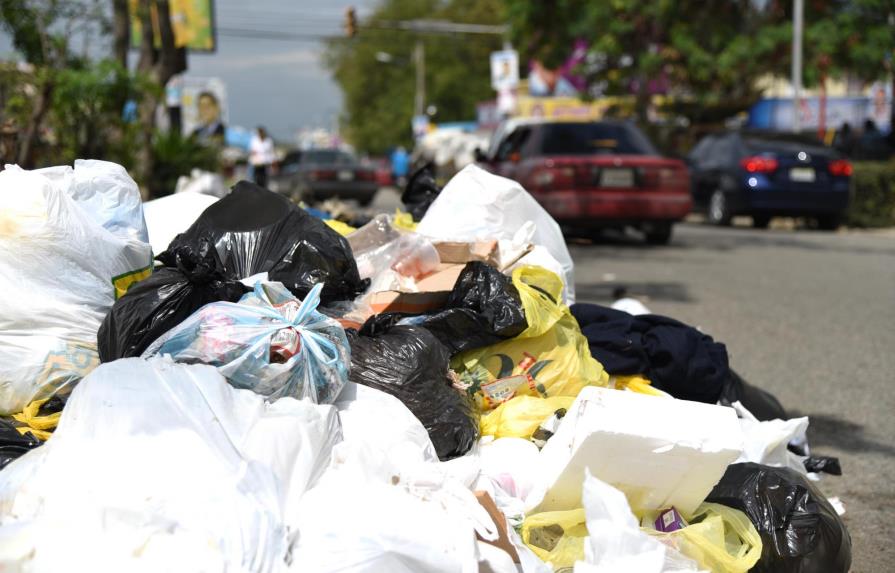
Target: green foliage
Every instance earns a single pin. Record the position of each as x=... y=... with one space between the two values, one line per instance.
x=176 y=155
x=86 y=112
x=379 y=97
x=712 y=51
x=873 y=202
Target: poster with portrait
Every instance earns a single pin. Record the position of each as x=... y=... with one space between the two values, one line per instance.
x=504 y=70
x=203 y=104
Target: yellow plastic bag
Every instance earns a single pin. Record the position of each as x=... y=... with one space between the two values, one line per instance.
x=557 y=537
x=40 y=426
x=519 y=417
x=636 y=383
x=721 y=539
x=549 y=358
x=339 y=227
x=403 y=221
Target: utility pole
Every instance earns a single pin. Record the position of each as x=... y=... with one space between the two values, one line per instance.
x=419 y=56
x=798 y=23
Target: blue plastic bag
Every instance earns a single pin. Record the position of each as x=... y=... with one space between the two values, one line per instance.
x=268 y=342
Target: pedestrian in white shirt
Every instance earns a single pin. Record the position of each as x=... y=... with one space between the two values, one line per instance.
x=261 y=155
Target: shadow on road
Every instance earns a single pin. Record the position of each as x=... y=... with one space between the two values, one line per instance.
x=826 y=430
x=602 y=293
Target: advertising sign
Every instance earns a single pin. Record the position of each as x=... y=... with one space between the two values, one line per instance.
x=192 y=21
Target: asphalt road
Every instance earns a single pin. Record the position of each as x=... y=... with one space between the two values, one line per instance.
x=809 y=316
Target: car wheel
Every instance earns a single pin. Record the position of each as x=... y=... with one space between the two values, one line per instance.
x=761 y=221
x=719 y=211
x=829 y=222
x=659 y=234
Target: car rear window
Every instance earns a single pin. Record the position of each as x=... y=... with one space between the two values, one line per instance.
x=327 y=157
x=784 y=146
x=594 y=139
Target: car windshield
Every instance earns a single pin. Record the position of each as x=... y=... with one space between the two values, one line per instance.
x=327 y=157
x=594 y=138
x=786 y=146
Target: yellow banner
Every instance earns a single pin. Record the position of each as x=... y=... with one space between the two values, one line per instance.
x=192 y=20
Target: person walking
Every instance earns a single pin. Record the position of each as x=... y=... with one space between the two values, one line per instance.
x=261 y=155
x=400 y=161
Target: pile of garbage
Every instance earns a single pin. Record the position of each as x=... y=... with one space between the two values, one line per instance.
x=422 y=394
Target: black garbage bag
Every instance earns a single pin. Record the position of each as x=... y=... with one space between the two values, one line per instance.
x=800 y=531
x=256 y=230
x=760 y=403
x=823 y=464
x=13 y=443
x=166 y=298
x=420 y=192
x=676 y=358
x=483 y=308
x=409 y=363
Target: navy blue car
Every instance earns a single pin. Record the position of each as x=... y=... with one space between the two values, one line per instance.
x=766 y=175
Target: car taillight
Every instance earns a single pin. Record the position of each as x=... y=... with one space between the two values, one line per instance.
x=553 y=177
x=671 y=177
x=840 y=168
x=758 y=164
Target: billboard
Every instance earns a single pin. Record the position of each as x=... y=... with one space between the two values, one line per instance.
x=192 y=20
x=777 y=113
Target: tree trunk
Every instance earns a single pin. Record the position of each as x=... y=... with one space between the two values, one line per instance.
x=32 y=129
x=121 y=26
x=160 y=64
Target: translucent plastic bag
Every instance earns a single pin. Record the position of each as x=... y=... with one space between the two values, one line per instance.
x=549 y=358
x=719 y=538
x=268 y=342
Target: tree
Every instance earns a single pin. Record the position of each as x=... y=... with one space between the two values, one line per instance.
x=41 y=32
x=710 y=52
x=379 y=95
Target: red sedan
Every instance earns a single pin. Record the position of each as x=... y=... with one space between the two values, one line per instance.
x=592 y=175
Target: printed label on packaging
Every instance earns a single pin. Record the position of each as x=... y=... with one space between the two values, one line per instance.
x=502 y=389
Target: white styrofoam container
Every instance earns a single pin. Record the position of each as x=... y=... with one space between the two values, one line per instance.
x=660 y=452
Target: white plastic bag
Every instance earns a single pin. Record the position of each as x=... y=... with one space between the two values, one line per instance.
x=106 y=193
x=615 y=541
x=477 y=205
x=157 y=466
x=375 y=511
x=766 y=442
x=383 y=421
x=166 y=217
x=66 y=251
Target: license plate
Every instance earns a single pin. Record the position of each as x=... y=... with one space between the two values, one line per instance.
x=802 y=174
x=346 y=175
x=616 y=177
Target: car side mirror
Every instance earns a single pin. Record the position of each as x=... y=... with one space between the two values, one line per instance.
x=479 y=155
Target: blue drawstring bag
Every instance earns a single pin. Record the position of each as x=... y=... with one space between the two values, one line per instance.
x=268 y=342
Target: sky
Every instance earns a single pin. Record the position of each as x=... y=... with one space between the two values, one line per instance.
x=278 y=83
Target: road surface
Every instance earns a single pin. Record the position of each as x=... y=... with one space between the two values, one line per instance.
x=809 y=316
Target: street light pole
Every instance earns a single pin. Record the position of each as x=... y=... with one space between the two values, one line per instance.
x=798 y=23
